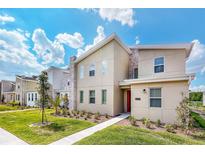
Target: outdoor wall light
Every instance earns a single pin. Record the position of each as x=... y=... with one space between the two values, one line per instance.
x=144 y=91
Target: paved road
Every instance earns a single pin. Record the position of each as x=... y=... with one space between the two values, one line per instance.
x=69 y=140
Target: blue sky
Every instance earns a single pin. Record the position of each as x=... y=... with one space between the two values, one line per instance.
x=34 y=39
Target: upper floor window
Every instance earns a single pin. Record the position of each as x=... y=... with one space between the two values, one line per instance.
x=92 y=70
x=135 y=73
x=155 y=97
x=159 y=65
x=104 y=67
x=81 y=72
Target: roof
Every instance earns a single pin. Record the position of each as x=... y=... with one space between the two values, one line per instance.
x=187 y=46
x=100 y=45
x=154 y=80
x=57 y=68
x=33 y=78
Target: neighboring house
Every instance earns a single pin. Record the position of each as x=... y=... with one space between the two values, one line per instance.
x=146 y=80
x=204 y=98
x=7 y=93
x=26 y=90
x=59 y=80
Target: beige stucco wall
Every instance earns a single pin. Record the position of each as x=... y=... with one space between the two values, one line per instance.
x=171 y=96
x=25 y=86
x=174 y=63
x=117 y=70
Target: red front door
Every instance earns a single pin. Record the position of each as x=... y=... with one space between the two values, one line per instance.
x=128 y=101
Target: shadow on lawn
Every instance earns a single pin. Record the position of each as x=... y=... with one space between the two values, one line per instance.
x=55 y=127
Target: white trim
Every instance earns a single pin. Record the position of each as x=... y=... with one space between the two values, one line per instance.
x=155 y=97
x=158 y=65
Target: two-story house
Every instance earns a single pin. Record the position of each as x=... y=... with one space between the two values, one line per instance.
x=7 y=91
x=27 y=90
x=146 y=80
x=59 y=80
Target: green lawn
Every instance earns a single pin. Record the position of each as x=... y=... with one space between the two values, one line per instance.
x=18 y=123
x=129 y=135
x=7 y=108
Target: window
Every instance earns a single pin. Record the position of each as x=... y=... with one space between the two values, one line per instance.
x=32 y=97
x=36 y=97
x=29 y=96
x=81 y=96
x=155 y=97
x=68 y=83
x=159 y=65
x=104 y=96
x=81 y=72
x=18 y=97
x=92 y=70
x=92 y=96
x=104 y=67
x=135 y=73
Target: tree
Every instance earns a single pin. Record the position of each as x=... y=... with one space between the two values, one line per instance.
x=55 y=103
x=184 y=115
x=43 y=87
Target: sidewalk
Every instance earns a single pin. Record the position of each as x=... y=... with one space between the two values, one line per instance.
x=69 y=140
x=7 y=138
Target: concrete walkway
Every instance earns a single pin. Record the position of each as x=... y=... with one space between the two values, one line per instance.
x=69 y=140
x=10 y=111
x=7 y=138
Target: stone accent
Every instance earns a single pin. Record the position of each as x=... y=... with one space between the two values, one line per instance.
x=73 y=88
x=133 y=61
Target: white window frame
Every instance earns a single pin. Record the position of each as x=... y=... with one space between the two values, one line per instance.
x=155 y=97
x=158 y=64
x=92 y=68
x=81 y=71
x=105 y=101
x=92 y=97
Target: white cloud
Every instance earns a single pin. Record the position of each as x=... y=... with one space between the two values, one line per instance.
x=137 y=40
x=124 y=16
x=196 y=61
x=6 y=18
x=47 y=51
x=100 y=36
x=198 y=88
x=74 y=41
x=15 y=57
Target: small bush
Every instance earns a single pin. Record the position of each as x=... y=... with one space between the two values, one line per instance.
x=132 y=120
x=97 y=115
x=14 y=103
x=158 y=123
x=106 y=116
x=169 y=128
x=81 y=114
x=147 y=122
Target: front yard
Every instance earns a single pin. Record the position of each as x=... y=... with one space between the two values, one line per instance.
x=129 y=135
x=18 y=123
x=7 y=108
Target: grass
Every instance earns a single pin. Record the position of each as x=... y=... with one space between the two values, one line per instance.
x=200 y=121
x=18 y=123
x=7 y=108
x=129 y=135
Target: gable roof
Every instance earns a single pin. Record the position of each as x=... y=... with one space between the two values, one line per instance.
x=100 y=45
x=187 y=46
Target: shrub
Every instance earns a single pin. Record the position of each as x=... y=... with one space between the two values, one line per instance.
x=158 y=123
x=169 y=128
x=132 y=120
x=81 y=114
x=106 y=116
x=14 y=103
x=147 y=122
x=97 y=115
x=184 y=115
